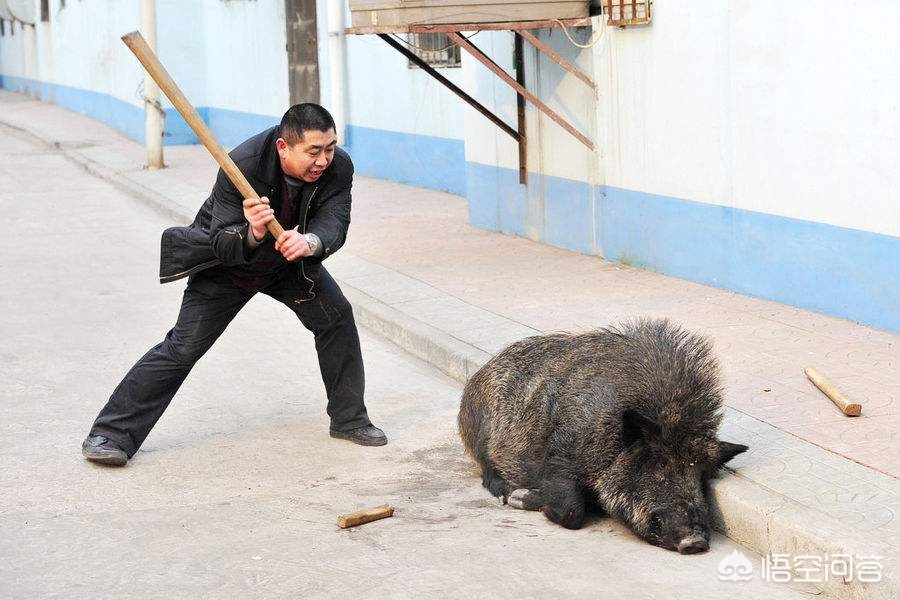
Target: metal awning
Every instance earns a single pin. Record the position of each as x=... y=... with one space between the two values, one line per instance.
x=521 y=31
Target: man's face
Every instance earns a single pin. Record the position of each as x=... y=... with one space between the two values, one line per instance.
x=308 y=158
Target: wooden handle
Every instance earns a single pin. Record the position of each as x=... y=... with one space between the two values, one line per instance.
x=364 y=516
x=850 y=409
x=138 y=45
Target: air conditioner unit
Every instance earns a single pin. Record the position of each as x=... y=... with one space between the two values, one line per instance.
x=402 y=13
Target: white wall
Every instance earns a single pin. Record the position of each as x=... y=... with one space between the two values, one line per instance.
x=551 y=149
x=485 y=142
x=246 y=62
x=762 y=105
x=223 y=54
x=384 y=93
x=86 y=50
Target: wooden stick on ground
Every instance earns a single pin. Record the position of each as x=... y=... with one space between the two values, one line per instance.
x=850 y=409
x=364 y=516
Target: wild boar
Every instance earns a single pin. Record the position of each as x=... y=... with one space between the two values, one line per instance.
x=622 y=418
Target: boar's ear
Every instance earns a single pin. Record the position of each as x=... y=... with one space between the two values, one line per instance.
x=636 y=427
x=727 y=451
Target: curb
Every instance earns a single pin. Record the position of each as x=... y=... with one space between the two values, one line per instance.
x=453 y=357
x=745 y=511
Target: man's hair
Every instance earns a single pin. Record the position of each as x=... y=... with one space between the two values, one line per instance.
x=304 y=117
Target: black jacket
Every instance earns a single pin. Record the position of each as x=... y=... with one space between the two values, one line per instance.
x=216 y=237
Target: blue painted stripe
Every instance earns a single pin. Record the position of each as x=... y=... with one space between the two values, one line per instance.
x=233 y=127
x=426 y=161
x=18 y=84
x=118 y=114
x=834 y=270
x=230 y=127
x=496 y=199
x=844 y=272
x=554 y=210
x=568 y=211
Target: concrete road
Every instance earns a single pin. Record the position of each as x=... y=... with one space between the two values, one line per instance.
x=235 y=494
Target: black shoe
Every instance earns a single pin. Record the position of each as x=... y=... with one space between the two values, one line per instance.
x=367 y=435
x=102 y=450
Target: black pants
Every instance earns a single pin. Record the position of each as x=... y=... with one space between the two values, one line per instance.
x=210 y=302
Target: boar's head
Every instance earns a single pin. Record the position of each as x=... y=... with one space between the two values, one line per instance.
x=657 y=485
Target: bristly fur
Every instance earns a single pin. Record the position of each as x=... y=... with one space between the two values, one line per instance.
x=592 y=413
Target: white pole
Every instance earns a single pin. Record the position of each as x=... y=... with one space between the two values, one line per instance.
x=153 y=114
x=336 y=65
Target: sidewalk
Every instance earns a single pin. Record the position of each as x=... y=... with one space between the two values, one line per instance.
x=814 y=482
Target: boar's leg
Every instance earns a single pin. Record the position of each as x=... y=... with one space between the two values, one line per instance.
x=493 y=481
x=563 y=505
x=563 y=501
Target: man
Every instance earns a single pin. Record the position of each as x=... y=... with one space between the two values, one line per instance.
x=303 y=180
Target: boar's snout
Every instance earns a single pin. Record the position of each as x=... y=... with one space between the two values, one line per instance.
x=693 y=544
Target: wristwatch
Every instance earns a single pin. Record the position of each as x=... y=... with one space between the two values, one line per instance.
x=313 y=242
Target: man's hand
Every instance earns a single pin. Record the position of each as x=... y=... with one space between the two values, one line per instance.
x=292 y=245
x=258 y=214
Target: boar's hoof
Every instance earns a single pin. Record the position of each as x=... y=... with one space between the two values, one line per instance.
x=693 y=545
x=525 y=499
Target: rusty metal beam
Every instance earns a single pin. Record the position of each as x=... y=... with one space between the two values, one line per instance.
x=519 y=62
x=451 y=86
x=556 y=57
x=490 y=64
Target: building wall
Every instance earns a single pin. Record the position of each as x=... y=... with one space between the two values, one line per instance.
x=402 y=124
x=246 y=64
x=748 y=145
x=552 y=205
x=237 y=91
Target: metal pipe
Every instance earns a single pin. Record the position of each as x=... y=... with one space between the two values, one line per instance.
x=153 y=113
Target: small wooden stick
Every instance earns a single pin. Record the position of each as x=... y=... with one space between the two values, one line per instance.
x=364 y=516
x=850 y=409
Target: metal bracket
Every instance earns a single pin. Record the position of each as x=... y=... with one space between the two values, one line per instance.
x=519 y=28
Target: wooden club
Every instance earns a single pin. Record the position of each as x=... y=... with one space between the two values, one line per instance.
x=138 y=45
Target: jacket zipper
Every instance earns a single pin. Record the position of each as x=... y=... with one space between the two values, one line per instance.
x=312 y=284
x=191 y=271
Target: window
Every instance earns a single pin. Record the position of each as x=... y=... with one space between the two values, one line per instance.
x=436 y=49
x=45 y=10
x=627 y=12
